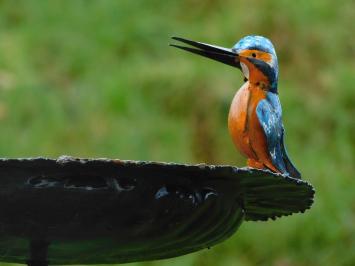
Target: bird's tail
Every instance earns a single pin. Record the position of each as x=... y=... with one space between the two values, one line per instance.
x=290 y=168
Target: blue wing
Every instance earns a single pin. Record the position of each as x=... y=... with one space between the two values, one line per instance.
x=270 y=117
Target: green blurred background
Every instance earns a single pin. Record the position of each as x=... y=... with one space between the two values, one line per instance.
x=98 y=79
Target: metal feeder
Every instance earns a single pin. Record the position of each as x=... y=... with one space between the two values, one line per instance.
x=90 y=211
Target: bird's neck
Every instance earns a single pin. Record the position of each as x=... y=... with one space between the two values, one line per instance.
x=265 y=78
x=260 y=81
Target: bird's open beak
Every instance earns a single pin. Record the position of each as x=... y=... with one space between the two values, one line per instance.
x=220 y=54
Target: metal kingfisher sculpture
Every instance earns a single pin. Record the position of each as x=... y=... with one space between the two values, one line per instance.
x=254 y=121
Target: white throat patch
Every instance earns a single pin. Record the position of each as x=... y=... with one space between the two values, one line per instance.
x=245 y=70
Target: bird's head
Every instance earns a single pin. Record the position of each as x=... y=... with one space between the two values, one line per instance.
x=254 y=55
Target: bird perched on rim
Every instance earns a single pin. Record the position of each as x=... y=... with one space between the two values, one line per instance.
x=254 y=120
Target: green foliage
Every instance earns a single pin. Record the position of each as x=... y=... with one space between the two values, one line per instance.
x=98 y=79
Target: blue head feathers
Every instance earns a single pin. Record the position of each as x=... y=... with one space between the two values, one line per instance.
x=263 y=44
x=254 y=42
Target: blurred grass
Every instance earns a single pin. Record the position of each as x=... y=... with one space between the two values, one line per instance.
x=97 y=79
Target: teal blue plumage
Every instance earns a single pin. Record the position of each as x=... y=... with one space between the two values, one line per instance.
x=269 y=113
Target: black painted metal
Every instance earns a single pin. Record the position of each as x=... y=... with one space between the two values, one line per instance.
x=113 y=211
x=38 y=252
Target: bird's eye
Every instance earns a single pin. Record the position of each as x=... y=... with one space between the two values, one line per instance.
x=253 y=54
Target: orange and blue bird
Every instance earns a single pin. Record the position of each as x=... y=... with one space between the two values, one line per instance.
x=255 y=116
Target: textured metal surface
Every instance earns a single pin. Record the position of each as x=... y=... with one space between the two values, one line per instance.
x=113 y=211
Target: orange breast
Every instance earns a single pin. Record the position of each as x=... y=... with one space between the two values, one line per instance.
x=244 y=127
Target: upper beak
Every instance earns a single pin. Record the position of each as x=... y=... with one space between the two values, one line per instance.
x=221 y=54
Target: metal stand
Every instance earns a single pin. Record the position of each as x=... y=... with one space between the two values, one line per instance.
x=38 y=253
x=50 y=209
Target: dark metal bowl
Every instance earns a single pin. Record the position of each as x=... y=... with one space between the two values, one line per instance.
x=84 y=211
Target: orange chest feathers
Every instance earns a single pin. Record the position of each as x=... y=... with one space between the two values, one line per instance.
x=243 y=123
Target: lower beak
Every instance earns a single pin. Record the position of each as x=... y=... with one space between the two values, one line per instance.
x=217 y=53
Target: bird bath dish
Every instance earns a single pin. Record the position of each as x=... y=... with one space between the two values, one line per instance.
x=88 y=211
